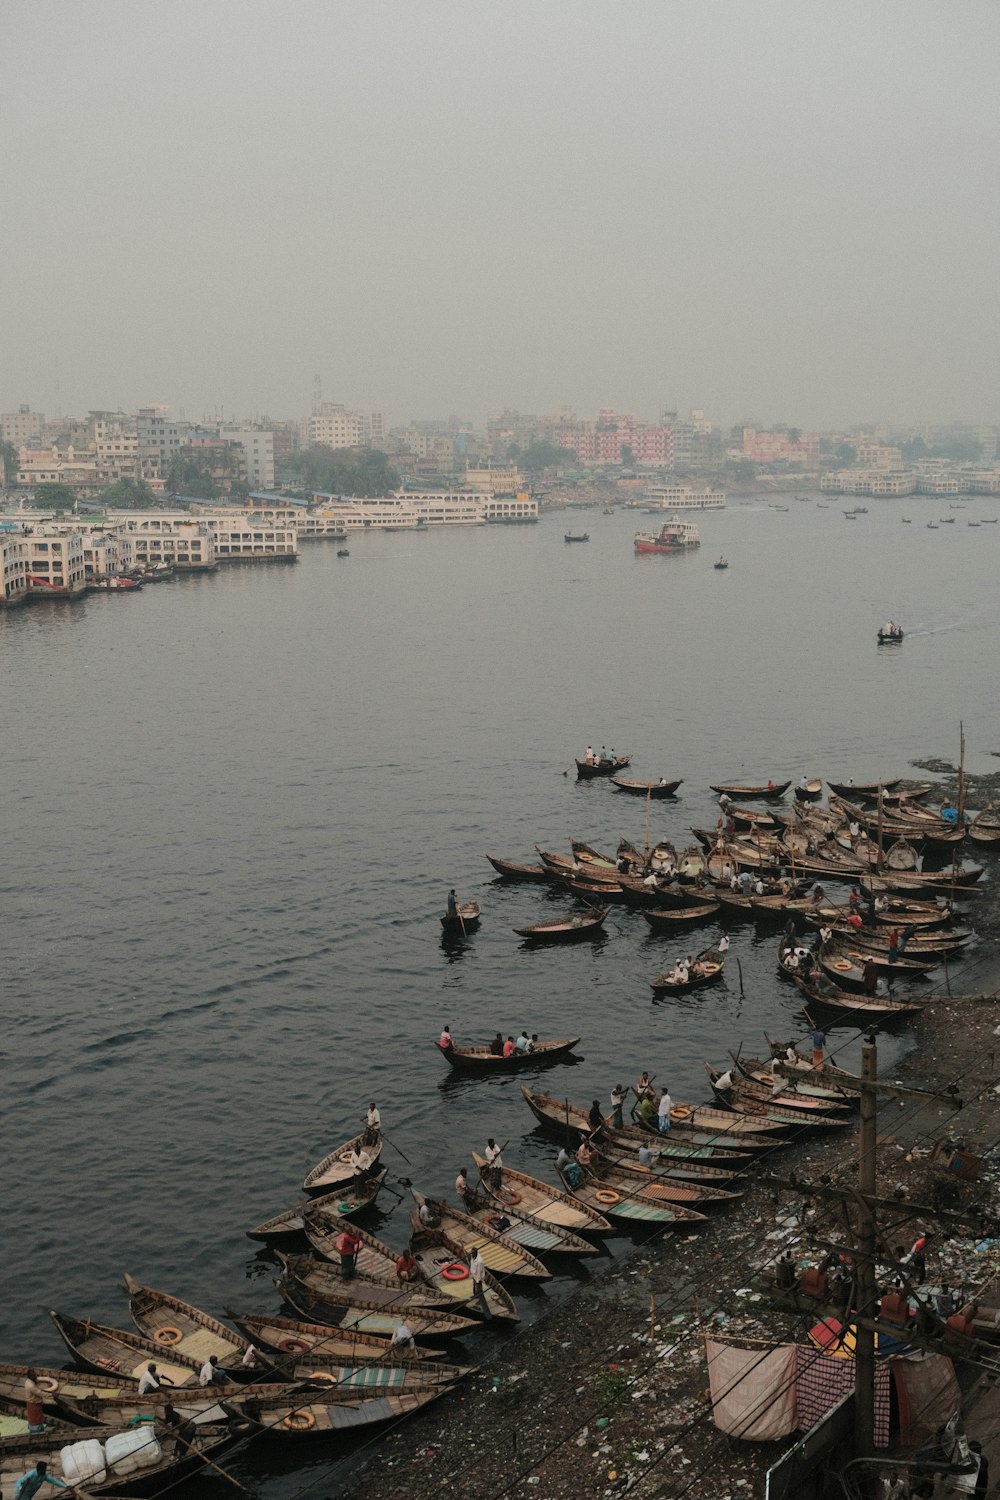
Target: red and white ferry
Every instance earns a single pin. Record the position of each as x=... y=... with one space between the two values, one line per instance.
x=674 y=535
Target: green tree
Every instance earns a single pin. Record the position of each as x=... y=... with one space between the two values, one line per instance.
x=187 y=476
x=11 y=460
x=844 y=453
x=54 y=497
x=542 y=455
x=627 y=456
x=127 y=494
x=741 y=469
x=343 y=471
x=794 y=435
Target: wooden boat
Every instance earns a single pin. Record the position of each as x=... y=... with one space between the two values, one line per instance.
x=466 y=919
x=866 y=790
x=177 y=1327
x=742 y=1082
x=985 y=826
x=335 y=1170
x=890 y=637
x=647 y=788
x=348 y=1202
x=660 y=1185
x=811 y=792
x=712 y=970
x=512 y=871
x=559 y=865
x=796 y=1119
x=586 y=854
x=707 y=1133
x=585 y=772
x=922 y=945
x=924 y=915
x=343 y=552
x=570 y=929
x=530 y=1233
x=670 y=918
x=591 y=891
x=772 y=789
x=114 y=1351
x=177 y=1460
x=198 y=1404
x=544 y=1204
x=570 y=537
x=353 y=1311
x=376 y=1264
x=105 y=1400
x=940 y=883
x=310 y=1415
x=462 y=1235
x=303 y=1274
x=622 y=1153
x=722 y=563
x=761 y=1071
x=616 y=1196
x=292 y=1339
x=479 y=1059
x=873 y=1007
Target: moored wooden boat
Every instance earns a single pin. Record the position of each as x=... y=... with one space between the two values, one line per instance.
x=465 y=919
x=700 y=1131
x=353 y=1310
x=571 y=929
x=173 y=1460
x=116 y=1351
x=293 y=1339
x=771 y=789
x=741 y=1083
x=510 y=870
x=942 y=882
x=586 y=772
x=177 y=1327
x=436 y=1293
x=595 y=893
x=809 y=791
x=668 y=919
x=659 y=788
x=543 y=1203
x=794 y=1119
x=758 y=1071
x=463 y=1235
x=351 y=1200
x=617 y=1196
x=479 y=1059
x=660 y=1185
x=335 y=1170
x=985 y=826
x=863 y=789
x=198 y=1404
x=875 y=1007
x=530 y=1233
x=711 y=970
x=310 y=1415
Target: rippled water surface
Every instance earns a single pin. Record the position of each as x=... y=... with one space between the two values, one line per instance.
x=234 y=806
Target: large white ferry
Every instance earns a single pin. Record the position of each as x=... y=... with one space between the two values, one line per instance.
x=674 y=497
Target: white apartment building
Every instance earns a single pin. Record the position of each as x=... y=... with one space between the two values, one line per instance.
x=336 y=427
x=191 y=548
x=21 y=427
x=52 y=466
x=107 y=554
x=258 y=451
x=14 y=563
x=55 y=567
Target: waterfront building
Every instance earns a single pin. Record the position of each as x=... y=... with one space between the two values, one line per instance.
x=14 y=563
x=190 y=548
x=55 y=567
x=21 y=428
x=495 y=479
x=107 y=553
x=674 y=497
x=53 y=466
x=234 y=535
x=878 y=482
x=765 y=448
x=415 y=509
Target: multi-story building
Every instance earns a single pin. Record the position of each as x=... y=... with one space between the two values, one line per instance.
x=780 y=448
x=115 y=440
x=52 y=466
x=14 y=564
x=336 y=427
x=617 y=437
x=159 y=439
x=880 y=482
x=107 y=553
x=21 y=428
x=233 y=535
x=257 y=444
x=55 y=566
x=495 y=479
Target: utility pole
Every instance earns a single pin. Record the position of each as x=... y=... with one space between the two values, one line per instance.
x=864 y=1355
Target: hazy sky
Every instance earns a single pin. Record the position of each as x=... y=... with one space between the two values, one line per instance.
x=774 y=210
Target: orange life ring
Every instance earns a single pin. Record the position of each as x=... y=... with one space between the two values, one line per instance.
x=842 y=963
x=680 y=1112
x=455 y=1271
x=293 y=1346
x=168 y=1335
x=607 y=1195
x=510 y=1195
x=46 y=1383
x=299 y=1421
x=322 y=1377
x=344 y=1156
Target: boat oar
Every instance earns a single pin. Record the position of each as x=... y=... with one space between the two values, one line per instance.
x=192 y=1448
x=396 y=1149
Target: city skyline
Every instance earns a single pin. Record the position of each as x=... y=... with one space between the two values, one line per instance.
x=767 y=211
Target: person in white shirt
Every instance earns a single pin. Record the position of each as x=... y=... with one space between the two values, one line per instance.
x=477 y=1270
x=152 y=1380
x=663 y=1109
x=521 y=1041
x=403 y=1337
x=494 y=1161
x=723 y=943
x=360 y=1163
x=373 y=1124
x=211 y=1373
x=249 y=1360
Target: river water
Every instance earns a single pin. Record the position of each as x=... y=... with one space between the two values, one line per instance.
x=235 y=805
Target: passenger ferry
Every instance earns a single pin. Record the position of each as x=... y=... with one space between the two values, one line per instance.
x=674 y=497
x=674 y=535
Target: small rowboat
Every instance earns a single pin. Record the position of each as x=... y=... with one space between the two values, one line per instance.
x=617 y=1196
x=544 y=1204
x=530 y=1233
x=177 y=1459
x=757 y=1071
x=605 y=872
x=901 y=882
x=351 y=1308
x=115 y=1351
x=866 y=790
x=197 y=1404
x=348 y=1202
x=820 y=1101
x=512 y=871
x=790 y=1119
x=872 y=1006
x=306 y=1274
x=890 y=637
x=698 y=1133
x=660 y=1185
x=569 y=536
x=985 y=826
x=811 y=792
x=646 y=788
x=335 y=1171
x=571 y=929
x=294 y=1340
x=355 y=1406
x=465 y=919
x=771 y=789
x=670 y=918
x=462 y=1235
x=479 y=1059
x=586 y=772
x=178 y=1328
x=665 y=984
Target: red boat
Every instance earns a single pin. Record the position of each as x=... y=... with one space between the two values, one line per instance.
x=673 y=536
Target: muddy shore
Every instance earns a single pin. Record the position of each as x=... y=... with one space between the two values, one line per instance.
x=607 y=1393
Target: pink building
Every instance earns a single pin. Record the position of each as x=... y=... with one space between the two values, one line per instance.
x=601 y=441
x=777 y=447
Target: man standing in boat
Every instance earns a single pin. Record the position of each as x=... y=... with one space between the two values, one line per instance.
x=494 y=1160
x=452 y=906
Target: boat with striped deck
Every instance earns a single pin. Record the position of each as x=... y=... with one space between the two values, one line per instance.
x=176 y=1327
x=620 y=1198
x=703 y=1133
x=293 y=1338
x=794 y=1119
x=544 y=1204
x=335 y=1170
x=661 y=1185
x=115 y=1351
x=313 y=1416
x=315 y=1285
x=348 y=1202
x=530 y=1233
x=462 y=1235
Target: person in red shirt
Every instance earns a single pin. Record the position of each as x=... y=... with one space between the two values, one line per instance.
x=406 y=1266
x=509 y=1048
x=348 y=1245
x=894 y=945
x=855 y=920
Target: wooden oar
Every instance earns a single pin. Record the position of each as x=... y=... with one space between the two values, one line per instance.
x=396 y=1149
x=192 y=1448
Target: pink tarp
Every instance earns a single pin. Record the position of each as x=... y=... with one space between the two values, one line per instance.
x=753 y=1391
x=928 y=1396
